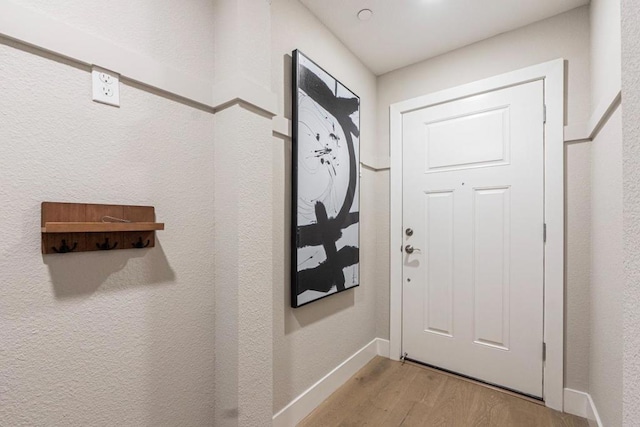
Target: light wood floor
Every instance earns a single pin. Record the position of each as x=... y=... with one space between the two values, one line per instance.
x=387 y=393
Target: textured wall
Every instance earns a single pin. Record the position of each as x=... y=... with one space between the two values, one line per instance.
x=119 y=338
x=312 y=340
x=577 y=264
x=382 y=262
x=631 y=208
x=179 y=34
x=243 y=263
x=607 y=285
x=243 y=170
x=565 y=36
x=605 y=357
x=605 y=49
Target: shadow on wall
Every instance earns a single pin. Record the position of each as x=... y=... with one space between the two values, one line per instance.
x=300 y=317
x=286 y=96
x=295 y=319
x=565 y=277
x=75 y=275
x=566 y=92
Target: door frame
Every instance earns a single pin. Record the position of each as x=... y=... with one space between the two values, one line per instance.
x=552 y=74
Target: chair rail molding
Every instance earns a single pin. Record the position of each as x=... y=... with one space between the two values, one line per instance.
x=50 y=35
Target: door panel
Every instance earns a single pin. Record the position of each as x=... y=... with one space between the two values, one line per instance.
x=438 y=297
x=473 y=194
x=453 y=143
x=491 y=256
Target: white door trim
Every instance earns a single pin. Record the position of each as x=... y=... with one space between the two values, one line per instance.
x=552 y=73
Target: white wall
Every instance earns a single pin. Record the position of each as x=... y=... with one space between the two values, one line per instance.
x=605 y=50
x=180 y=35
x=565 y=36
x=605 y=348
x=631 y=208
x=605 y=373
x=577 y=264
x=125 y=337
x=243 y=207
x=312 y=340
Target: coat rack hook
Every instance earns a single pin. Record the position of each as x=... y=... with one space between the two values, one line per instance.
x=64 y=248
x=140 y=244
x=105 y=246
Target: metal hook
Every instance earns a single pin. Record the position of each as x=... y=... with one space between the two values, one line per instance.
x=140 y=244
x=65 y=248
x=105 y=246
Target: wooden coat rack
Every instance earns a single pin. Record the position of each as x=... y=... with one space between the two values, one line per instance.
x=82 y=227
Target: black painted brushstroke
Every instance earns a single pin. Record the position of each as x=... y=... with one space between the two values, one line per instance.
x=319 y=278
x=329 y=236
x=310 y=235
x=340 y=108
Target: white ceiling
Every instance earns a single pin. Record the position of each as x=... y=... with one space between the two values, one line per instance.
x=403 y=32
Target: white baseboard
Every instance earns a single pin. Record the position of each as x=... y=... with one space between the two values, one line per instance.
x=383 y=347
x=310 y=399
x=575 y=402
x=592 y=414
x=580 y=403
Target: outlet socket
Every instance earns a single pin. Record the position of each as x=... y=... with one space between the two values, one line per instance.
x=106 y=86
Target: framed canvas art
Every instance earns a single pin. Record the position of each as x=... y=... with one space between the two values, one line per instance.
x=326 y=184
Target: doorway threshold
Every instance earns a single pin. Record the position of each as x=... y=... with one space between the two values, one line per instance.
x=510 y=392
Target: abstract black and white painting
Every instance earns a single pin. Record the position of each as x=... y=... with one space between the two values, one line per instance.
x=326 y=184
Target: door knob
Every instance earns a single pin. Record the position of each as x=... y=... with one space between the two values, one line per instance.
x=408 y=232
x=410 y=249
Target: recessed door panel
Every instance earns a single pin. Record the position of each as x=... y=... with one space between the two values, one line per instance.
x=472 y=140
x=439 y=269
x=491 y=259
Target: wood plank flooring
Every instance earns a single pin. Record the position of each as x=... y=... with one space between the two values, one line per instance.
x=388 y=393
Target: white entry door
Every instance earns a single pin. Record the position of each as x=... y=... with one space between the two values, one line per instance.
x=473 y=213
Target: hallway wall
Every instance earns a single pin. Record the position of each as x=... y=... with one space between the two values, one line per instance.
x=312 y=340
x=563 y=36
x=125 y=337
x=605 y=368
x=631 y=209
x=607 y=256
x=606 y=45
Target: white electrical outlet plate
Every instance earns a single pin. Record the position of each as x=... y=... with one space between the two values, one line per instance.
x=106 y=86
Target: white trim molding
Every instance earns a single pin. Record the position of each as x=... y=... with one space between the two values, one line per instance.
x=588 y=131
x=581 y=404
x=242 y=90
x=592 y=414
x=383 y=347
x=380 y=164
x=50 y=35
x=576 y=402
x=311 y=398
x=282 y=127
x=552 y=73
